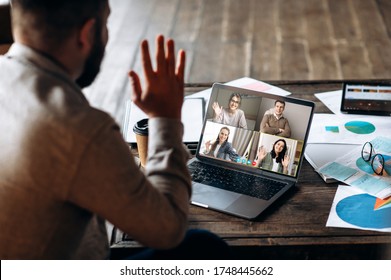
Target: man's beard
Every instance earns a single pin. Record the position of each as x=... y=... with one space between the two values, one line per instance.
x=92 y=64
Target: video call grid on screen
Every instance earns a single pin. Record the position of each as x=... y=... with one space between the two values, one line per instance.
x=247 y=142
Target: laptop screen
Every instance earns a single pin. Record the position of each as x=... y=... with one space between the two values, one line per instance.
x=255 y=130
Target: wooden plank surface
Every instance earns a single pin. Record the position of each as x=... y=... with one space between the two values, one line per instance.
x=323 y=58
x=206 y=62
x=385 y=11
x=354 y=54
x=266 y=40
x=344 y=24
x=370 y=20
x=265 y=47
x=294 y=55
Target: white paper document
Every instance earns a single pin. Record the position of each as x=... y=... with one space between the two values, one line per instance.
x=353 y=208
x=332 y=100
x=347 y=129
x=353 y=170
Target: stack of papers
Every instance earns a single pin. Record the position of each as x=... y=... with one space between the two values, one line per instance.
x=354 y=171
x=365 y=202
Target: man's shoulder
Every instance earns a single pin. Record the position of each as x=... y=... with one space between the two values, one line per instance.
x=268 y=117
x=57 y=100
x=65 y=101
x=284 y=118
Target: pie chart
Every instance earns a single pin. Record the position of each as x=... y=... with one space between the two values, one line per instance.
x=360 y=127
x=359 y=210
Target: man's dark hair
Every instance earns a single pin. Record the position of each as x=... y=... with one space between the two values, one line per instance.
x=279 y=101
x=55 y=20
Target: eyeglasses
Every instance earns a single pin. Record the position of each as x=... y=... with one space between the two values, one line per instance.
x=377 y=160
x=235 y=101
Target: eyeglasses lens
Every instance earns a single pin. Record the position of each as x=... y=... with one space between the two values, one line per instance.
x=366 y=151
x=377 y=164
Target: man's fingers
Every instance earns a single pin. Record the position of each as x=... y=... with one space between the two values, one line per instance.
x=160 y=55
x=136 y=86
x=146 y=59
x=181 y=66
x=171 y=58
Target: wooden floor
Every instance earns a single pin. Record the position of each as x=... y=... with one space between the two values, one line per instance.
x=263 y=39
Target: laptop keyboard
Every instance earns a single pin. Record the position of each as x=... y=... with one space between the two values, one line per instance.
x=234 y=181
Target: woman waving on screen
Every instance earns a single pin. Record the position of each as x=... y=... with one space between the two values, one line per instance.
x=275 y=160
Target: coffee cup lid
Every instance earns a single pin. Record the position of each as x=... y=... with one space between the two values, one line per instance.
x=141 y=127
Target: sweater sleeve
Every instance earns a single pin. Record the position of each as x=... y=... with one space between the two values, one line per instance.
x=287 y=129
x=150 y=207
x=266 y=127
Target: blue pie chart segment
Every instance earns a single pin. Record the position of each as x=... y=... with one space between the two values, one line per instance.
x=358 y=210
x=360 y=127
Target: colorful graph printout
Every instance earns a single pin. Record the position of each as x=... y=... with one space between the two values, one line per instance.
x=353 y=208
x=382 y=203
x=360 y=127
x=334 y=129
x=352 y=130
x=364 y=216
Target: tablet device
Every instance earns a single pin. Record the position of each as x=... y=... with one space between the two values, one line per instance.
x=366 y=98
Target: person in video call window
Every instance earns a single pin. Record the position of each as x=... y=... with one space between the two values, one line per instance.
x=221 y=148
x=274 y=122
x=232 y=115
x=276 y=160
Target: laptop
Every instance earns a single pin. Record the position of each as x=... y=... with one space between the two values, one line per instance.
x=231 y=177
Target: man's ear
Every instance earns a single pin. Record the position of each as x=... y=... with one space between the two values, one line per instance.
x=86 y=36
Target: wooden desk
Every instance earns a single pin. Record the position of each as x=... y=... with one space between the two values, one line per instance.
x=295 y=227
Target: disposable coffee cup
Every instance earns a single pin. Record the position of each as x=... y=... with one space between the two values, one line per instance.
x=141 y=131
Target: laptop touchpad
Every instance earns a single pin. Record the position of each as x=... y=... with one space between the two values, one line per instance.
x=213 y=197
